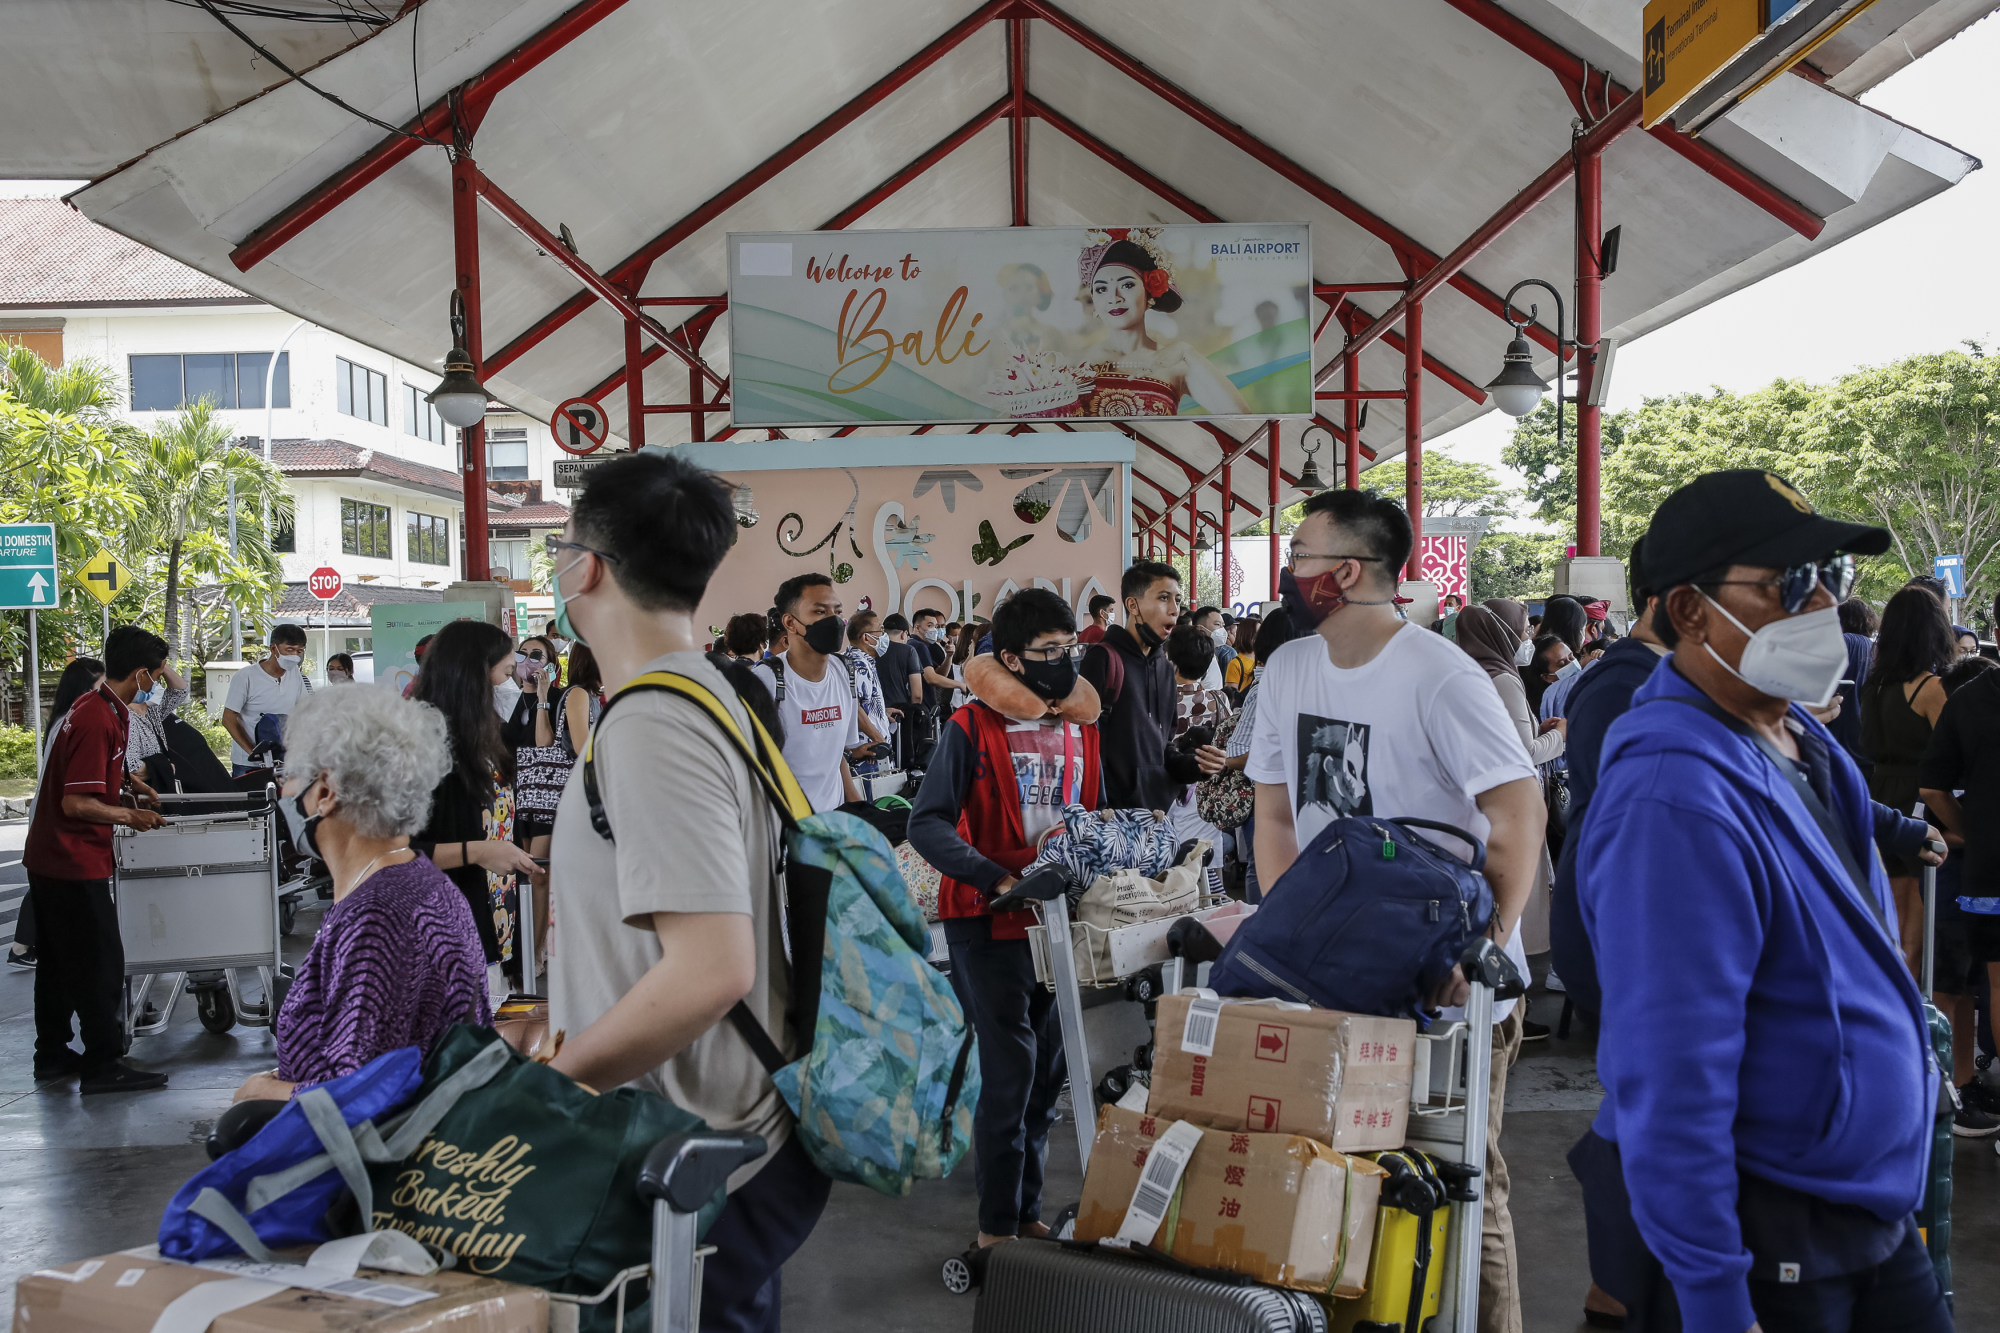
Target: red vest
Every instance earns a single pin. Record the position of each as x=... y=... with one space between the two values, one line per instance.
x=990 y=821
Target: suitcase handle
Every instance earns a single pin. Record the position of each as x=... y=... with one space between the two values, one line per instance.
x=1484 y=963
x=1478 y=860
x=685 y=1170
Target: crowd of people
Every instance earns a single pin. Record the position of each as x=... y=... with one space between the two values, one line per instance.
x=1712 y=816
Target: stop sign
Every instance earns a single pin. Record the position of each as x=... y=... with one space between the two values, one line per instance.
x=324 y=583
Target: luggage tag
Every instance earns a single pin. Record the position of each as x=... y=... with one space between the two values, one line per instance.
x=1153 y=1197
x=1198 y=1032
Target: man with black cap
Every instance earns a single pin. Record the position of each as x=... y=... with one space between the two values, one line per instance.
x=1769 y=1086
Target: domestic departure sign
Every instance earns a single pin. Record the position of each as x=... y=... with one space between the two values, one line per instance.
x=103 y=576
x=1950 y=570
x=27 y=566
x=579 y=426
x=324 y=583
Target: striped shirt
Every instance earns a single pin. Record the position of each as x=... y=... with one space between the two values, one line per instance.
x=396 y=962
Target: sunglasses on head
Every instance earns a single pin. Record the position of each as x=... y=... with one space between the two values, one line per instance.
x=1797 y=584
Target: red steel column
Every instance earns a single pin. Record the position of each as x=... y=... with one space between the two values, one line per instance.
x=1589 y=328
x=1272 y=513
x=1350 y=379
x=465 y=251
x=1194 y=540
x=635 y=388
x=1228 y=499
x=1413 y=431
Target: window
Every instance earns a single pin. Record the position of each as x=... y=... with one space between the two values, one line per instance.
x=360 y=392
x=364 y=529
x=511 y=556
x=285 y=536
x=507 y=456
x=429 y=539
x=167 y=383
x=420 y=418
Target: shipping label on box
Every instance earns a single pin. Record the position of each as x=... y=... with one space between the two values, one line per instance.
x=120 y=1292
x=1118 y=1156
x=1343 y=1079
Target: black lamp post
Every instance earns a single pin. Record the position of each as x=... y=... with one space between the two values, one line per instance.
x=1517 y=390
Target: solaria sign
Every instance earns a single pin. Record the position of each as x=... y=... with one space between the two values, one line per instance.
x=1020 y=323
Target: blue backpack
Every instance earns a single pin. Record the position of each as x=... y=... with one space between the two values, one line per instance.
x=885 y=1094
x=290 y=1183
x=1369 y=920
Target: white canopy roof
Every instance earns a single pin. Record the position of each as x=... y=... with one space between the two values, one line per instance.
x=1387 y=127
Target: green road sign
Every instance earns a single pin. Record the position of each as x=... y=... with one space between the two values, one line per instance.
x=27 y=566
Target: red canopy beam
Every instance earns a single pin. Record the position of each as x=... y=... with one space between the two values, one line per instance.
x=1233 y=450
x=1622 y=118
x=1271 y=514
x=1413 y=433
x=1589 y=305
x=1573 y=72
x=1185 y=102
x=475 y=95
x=465 y=254
x=1359 y=395
x=1017 y=128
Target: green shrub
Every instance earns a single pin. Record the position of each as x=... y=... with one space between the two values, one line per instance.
x=17 y=752
x=211 y=730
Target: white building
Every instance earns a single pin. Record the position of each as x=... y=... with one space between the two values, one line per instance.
x=374 y=472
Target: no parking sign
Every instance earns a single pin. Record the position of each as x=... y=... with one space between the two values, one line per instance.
x=579 y=426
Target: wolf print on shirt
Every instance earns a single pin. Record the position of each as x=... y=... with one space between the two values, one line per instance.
x=1333 y=765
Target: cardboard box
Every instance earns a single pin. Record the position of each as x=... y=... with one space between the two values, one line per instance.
x=117 y=1293
x=1280 y=1208
x=1343 y=1079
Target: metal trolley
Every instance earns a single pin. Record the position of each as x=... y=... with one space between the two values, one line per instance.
x=197 y=902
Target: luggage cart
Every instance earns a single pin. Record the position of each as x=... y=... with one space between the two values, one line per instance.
x=197 y=901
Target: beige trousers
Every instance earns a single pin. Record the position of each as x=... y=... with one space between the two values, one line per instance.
x=1499 y=1271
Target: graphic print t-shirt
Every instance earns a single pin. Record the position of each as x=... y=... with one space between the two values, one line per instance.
x=821 y=722
x=1046 y=778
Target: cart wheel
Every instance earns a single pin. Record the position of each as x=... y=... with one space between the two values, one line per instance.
x=1115 y=1084
x=1142 y=1055
x=1065 y=1224
x=288 y=915
x=1145 y=987
x=215 y=1009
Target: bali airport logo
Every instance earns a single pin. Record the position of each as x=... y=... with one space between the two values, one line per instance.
x=1253 y=249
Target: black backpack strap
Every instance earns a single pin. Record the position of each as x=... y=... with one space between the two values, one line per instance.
x=1828 y=825
x=777 y=665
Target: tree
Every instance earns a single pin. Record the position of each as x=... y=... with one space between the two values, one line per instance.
x=1551 y=470
x=1916 y=450
x=183 y=478
x=1453 y=487
x=1519 y=565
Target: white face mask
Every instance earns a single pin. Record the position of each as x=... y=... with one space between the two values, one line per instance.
x=338 y=678
x=1795 y=657
x=1524 y=654
x=882 y=646
x=934 y=635
x=1219 y=636
x=505 y=695
x=290 y=661
x=1568 y=669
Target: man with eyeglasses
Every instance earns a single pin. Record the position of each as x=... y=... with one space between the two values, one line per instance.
x=1769 y=1084
x=1004 y=767
x=1368 y=714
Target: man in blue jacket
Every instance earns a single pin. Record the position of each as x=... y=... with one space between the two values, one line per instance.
x=1746 y=941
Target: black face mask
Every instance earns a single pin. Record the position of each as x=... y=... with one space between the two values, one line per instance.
x=1051 y=680
x=1147 y=636
x=309 y=835
x=825 y=635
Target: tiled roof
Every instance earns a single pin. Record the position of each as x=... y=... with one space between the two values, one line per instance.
x=338 y=458
x=536 y=514
x=352 y=604
x=52 y=255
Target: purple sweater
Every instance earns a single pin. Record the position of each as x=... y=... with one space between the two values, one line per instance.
x=395 y=963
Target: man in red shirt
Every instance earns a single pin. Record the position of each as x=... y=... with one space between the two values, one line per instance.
x=1103 y=610
x=68 y=860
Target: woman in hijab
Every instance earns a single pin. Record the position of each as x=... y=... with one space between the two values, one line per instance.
x=1490 y=634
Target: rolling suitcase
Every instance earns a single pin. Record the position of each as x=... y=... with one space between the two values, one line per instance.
x=1406 y=1272
x=1041 y=1286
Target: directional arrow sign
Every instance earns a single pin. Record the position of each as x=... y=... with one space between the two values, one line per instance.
x=27 y=566
x=103 y=577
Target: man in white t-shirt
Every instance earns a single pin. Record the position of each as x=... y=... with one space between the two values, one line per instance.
x=1371 y=715
x=271 y=687
x=814 y=694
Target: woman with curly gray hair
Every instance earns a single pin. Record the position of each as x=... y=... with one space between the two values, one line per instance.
x=397 y=960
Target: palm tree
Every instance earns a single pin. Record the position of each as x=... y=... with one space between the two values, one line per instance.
x=183 y=478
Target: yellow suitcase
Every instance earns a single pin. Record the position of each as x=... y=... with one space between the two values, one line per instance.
x=1407 y=1268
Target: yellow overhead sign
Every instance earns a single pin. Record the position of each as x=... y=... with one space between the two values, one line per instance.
x=1687 y=41
x=102 y=576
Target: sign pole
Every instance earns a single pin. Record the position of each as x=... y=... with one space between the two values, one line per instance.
x=35 y=691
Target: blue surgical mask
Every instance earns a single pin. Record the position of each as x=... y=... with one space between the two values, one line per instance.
x=564 y=626
x=1568 y=669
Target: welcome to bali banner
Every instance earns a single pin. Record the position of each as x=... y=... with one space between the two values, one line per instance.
x=838 y=328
